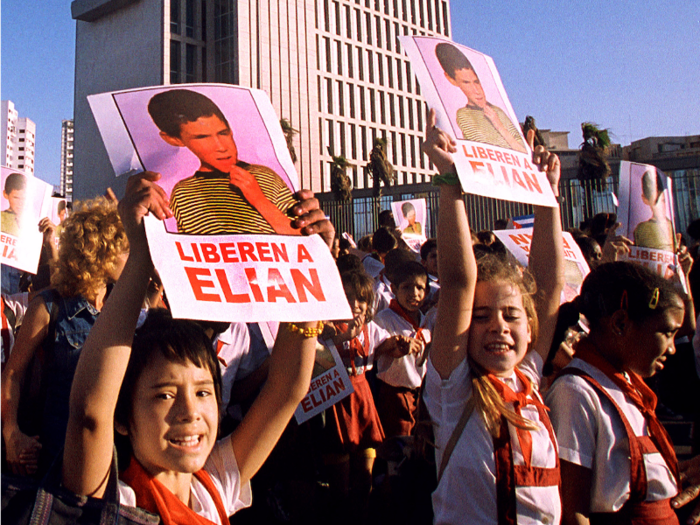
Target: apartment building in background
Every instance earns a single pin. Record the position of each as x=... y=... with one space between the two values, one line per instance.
x=66 y=180
x=18 y=139
x=333 y=68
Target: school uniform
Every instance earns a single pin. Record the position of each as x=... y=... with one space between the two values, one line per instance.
x=382 y=293
x=600 y=427
x=215 y=492
x=400 y=379
x=489 y=480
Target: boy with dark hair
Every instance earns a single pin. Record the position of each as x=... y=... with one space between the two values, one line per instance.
x=383 y=241
x=226 y=195
x=479 y=120
x=14 y=191
x=399 y=379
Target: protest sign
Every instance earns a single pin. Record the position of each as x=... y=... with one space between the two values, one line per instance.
x=329 y=383
x=410 y=218
x=225 y=166
x=59 y=211
x=25 y=201
x=464 y=88
x=575 y=270
x=249 y=278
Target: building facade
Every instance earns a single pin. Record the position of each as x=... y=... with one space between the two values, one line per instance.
x=66 y=181
x=333 y=68
x=18 y=139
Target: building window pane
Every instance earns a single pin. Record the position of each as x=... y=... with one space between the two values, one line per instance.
x=175 y=62
x=175 y=17
x=190 y=63
x=189 y=18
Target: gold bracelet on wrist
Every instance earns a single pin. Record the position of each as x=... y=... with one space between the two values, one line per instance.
x=306 y=332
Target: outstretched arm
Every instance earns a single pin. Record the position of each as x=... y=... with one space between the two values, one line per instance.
x=547 y=253
x=456 y=262
x=105 y=355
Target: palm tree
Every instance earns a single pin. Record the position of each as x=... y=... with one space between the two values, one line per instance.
x=340 y=182
x=289 y=133
x=379 y=166
x=593 y=167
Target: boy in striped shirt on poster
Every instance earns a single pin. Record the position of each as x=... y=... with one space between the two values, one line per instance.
x=226 y=195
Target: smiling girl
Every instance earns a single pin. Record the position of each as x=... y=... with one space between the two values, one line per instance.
x=170 y=390
x=496 y=452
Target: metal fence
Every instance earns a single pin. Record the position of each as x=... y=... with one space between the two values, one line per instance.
x=579 y=201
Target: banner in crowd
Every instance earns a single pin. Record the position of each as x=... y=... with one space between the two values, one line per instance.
x=410 y=217
x=465 y=89
x=646 y=214
x=25 y=201
x=575 y=269
x=226 y=168
x=329 y=383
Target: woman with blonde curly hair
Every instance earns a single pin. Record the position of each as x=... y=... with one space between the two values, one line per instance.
x=92 y=253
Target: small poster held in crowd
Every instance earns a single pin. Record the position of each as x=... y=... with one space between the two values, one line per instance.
x=59 y=210
x=226 y=169
x=410 y=218
x=646 y=214
x=575 y=270
x=329 y=383
x=25 y=201
x=464 y=88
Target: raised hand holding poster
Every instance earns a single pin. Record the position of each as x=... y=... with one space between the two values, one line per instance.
x=25 y=201
x=464 y=88
x=226 y=169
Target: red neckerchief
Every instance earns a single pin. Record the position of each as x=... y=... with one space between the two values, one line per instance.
x=639 y=394
x=401 y=312
x=519 y=400
x=357 y=349
x=155 y=497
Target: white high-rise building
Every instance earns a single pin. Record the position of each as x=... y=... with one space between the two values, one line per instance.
x=333 y=68
x=66 y=183
x=18 y=139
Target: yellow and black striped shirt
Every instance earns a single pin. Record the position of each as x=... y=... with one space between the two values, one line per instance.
x=477 y=127
x=208 y=204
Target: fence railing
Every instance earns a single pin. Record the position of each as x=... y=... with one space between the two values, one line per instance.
x=580 y=200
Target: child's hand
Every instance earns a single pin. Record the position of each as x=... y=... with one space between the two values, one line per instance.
x=545 y=161
x=247 y=183
x=310 y=217
x=23 y=453
x=438 y=146
x=615 y=245
x=48 y=229
x=143 y=195
x=690 y=477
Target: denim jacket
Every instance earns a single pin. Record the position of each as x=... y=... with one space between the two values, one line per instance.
x=73 y=323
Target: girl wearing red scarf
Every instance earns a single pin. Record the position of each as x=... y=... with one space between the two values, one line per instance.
x=170 y=390
x=618 y=464
x=496 y=452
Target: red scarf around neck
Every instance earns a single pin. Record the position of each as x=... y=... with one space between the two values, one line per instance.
x=401 y=312
x=155 y=497
x=519 y=400
x=357 y=349
x=639 y=394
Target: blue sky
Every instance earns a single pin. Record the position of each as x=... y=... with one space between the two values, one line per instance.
x=631 y=66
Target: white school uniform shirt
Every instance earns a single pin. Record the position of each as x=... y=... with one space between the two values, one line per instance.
x=382 y=293
x=590 y=434
x=467 y=491
x=372 y=266
x=223 y=469
x=233 y=351
x=376 y=335
x=405 y=371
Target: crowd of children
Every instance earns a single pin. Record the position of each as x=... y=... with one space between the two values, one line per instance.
x=456 y=415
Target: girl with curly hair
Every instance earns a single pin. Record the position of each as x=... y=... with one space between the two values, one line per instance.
x=92 y=253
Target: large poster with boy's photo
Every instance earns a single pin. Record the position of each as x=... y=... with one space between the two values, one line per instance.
x=464 y=88
x=226 y=168
x=25 y=201
x=646 y=213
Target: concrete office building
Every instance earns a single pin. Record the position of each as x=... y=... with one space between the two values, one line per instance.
x=18 y=139
x=66 y=181
x=333 y=68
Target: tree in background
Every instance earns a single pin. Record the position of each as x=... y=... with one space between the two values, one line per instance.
x=289 y=133
x=592 y=161
x=379 y=166
x=340 y=182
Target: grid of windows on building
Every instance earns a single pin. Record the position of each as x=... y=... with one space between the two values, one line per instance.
x=66 y=180
x=188 y=39
x=366 y=88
